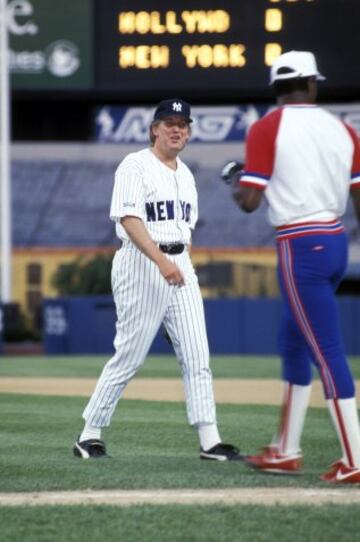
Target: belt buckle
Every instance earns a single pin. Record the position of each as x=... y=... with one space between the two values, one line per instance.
x=172 y=248
x=179 y=248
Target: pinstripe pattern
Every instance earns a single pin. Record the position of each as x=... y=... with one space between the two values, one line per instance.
x=143 y=300
x=185 y=323
x=286 y=266
x=142 y=178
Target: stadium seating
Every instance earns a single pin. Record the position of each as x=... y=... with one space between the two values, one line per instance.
x=221 y=224
x=62 y=204
x=66 y=204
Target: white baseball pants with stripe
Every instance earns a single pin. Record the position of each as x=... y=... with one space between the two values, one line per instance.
x=144 y=300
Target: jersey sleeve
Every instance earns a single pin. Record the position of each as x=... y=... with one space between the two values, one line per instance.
x=260 y=151
x=128 y=197
x=355 y=167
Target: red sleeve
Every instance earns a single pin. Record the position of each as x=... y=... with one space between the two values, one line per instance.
x=260 y=150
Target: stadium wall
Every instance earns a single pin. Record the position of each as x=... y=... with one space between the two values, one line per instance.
x=232 y=271
x=235 y=326
x=251 y=272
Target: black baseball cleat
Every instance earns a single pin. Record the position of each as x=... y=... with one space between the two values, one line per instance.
x=221 y=452
x=92 y=448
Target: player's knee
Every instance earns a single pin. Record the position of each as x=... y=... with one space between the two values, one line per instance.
x=341 y=387
x=297 y=373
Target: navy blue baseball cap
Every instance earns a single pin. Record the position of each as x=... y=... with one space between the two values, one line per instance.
x=171 y=107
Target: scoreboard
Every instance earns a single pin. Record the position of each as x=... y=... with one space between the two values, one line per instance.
x=220 y=48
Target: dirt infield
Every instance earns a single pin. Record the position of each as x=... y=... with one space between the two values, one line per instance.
x=260 y=496
x=231 y=391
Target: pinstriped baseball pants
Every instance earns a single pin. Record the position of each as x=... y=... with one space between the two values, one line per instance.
x=144 y=300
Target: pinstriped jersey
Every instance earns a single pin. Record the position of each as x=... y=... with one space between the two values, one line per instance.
x=306 y=160
x=164 y=199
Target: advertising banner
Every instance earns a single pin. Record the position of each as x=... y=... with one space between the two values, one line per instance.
x=211 y=124
x=51 y=44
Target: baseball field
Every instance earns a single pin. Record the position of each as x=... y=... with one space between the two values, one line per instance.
x=155 y=488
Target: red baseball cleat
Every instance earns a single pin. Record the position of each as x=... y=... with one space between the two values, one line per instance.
x=329 y=475
x=339 y=473
x=270 y=460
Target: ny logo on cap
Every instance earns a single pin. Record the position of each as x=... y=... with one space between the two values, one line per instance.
x=177 y=106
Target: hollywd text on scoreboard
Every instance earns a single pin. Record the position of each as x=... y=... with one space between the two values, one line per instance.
x=215 y=48
x=224 y=44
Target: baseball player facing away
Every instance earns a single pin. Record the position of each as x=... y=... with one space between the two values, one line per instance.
x=154 y=205
x=305 y=161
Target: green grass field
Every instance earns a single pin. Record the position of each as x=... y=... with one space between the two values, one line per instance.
x=153 y=447
x=151 y=444
x=155 y=367
x=181 y=524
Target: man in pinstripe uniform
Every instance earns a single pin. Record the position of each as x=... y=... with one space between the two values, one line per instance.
x=154 y=206
x=306 y=161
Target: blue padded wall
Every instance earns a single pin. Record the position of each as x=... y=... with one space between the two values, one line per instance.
x=80 y=325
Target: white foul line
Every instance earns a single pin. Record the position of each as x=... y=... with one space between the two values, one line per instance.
x=231 y=496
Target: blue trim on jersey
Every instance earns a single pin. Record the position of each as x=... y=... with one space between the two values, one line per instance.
x=311 y=229
x=246 y=173
x=308 y=228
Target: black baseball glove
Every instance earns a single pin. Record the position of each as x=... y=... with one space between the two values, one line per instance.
x=231 y=171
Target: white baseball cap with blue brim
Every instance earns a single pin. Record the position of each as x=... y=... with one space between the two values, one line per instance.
x=293 y=65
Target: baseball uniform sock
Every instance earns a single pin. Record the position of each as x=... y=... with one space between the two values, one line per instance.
x=295 y=404
x=90 y=432
x=345 y=418
x=208 y=435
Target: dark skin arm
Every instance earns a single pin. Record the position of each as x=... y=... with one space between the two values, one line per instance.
x=247 y=198
x=355 y=195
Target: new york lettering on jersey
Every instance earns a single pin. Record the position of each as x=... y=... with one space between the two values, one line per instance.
x=165 y=210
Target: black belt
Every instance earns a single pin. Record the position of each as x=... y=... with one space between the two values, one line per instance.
x=172 y=248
